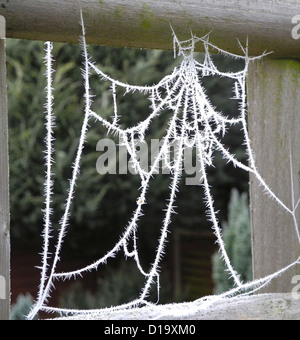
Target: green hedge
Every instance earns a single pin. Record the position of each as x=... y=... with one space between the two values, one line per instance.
x=103 y=204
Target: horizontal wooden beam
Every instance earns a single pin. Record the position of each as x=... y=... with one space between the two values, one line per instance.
x=259 y=307
x=146 y=24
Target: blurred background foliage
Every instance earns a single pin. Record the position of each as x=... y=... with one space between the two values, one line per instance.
x=103 y=204
x=237 y=239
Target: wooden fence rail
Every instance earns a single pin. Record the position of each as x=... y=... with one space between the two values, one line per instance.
x=260 y=307
x=146 y=24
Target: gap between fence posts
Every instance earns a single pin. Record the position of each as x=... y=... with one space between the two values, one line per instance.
x=274 y=127
x=4 y=186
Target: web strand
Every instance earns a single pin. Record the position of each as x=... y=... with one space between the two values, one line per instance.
x=194 y=123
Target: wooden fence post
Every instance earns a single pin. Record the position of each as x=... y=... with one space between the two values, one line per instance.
x=4 y=186
x=274 y=125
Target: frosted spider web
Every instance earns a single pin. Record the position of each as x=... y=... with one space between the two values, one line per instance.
x=194 y=123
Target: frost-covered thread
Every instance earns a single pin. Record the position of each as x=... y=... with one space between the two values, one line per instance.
x=48 y=185
x=194 y=123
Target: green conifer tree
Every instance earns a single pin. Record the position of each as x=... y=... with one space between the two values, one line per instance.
x=237 y=238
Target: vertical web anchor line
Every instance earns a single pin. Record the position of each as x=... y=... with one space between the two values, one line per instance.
x=45 y=291
x=50 y=121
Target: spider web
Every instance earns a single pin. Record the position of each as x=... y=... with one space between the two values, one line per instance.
x=194 y=123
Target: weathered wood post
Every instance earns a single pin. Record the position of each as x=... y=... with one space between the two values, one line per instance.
x=273 y=85
x=4 y=186
x=274 y=124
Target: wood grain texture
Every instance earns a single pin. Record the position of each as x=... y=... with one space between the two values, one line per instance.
x=4 y=188
x=274 y=124
x=146 y=24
